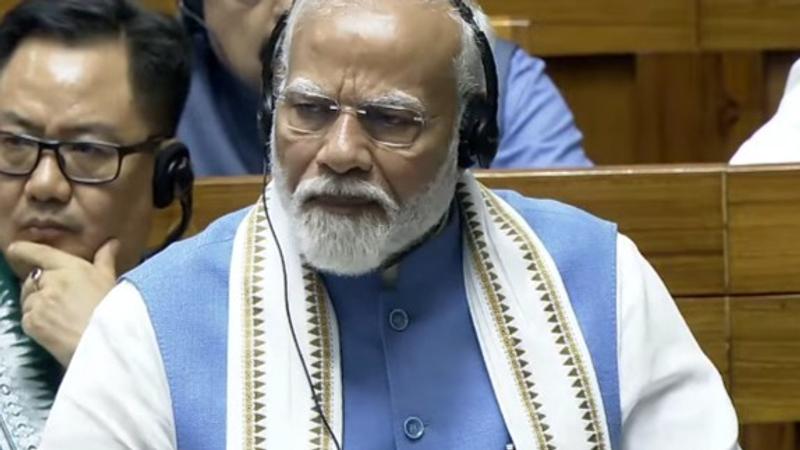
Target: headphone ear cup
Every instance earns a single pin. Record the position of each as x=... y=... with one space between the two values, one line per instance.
x=265 y=113
x=478 y=134
x=172 y=174
x=469 y=133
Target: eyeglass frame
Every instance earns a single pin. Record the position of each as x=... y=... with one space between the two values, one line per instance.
x=55 y=146
x=334 y=105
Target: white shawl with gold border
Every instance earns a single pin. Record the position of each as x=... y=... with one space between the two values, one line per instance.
x=538 y=362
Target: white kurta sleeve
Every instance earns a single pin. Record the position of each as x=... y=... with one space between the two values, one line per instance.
x=672 y=397
x=115 y=394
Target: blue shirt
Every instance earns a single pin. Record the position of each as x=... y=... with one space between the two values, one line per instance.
x=219 y=123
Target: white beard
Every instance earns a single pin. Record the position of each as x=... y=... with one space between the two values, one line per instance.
x=355 y=245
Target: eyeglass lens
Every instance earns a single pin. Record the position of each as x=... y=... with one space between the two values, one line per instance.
x=389 y=125
x=83 y=162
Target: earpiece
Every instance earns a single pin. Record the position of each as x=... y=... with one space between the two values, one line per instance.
x=172 y=174
x=173 y=178
x=479 y=134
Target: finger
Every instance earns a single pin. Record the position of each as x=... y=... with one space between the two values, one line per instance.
x=31 y=286
x=23 y=256
x=32 y=325
x=30 y=301
x=106 y=257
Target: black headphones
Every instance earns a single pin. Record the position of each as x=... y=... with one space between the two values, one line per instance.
x=173 y=178
x=479 y=134
x=172 y=174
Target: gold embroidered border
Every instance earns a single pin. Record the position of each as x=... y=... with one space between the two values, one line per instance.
x=535 y=418
x=247 y=330
x=583 y=385
x=322 y=353
x=254 y=338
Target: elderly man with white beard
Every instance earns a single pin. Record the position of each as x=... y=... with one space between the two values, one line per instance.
x=377 y=296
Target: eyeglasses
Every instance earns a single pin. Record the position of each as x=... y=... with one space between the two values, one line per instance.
x=388 y=125
x=80 y=162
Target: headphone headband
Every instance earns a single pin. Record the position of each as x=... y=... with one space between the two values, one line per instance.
x=479 y=131
x=484 y=47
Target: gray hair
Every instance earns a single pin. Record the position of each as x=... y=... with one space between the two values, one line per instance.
x=468 y=66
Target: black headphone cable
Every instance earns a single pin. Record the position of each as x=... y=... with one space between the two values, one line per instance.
x=314 y=394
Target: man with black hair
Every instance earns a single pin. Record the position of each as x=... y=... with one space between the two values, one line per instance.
x=219 y=124
x=90 y=96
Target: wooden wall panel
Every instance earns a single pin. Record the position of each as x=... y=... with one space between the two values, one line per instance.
x=630 y=26
x=664 y=108
x=697 y=107
x=760 y=201
x=601 y=91
x=690 y=101
x=749 y=24
x=769 y=437
x=765 y=360
x=565 y=27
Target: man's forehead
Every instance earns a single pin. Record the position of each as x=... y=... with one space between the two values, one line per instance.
x=71 y=90
x=380 y=47
x=69 y=61
x=85 y=71
x=411 y=22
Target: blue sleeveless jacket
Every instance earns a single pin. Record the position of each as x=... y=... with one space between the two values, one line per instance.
x=185 y=290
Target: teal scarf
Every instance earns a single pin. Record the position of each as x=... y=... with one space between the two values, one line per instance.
x=29 y=376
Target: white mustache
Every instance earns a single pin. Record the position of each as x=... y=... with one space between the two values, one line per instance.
x=343 y=187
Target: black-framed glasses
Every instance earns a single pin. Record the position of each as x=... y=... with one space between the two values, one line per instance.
x=80 y=162
x=389 y=125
